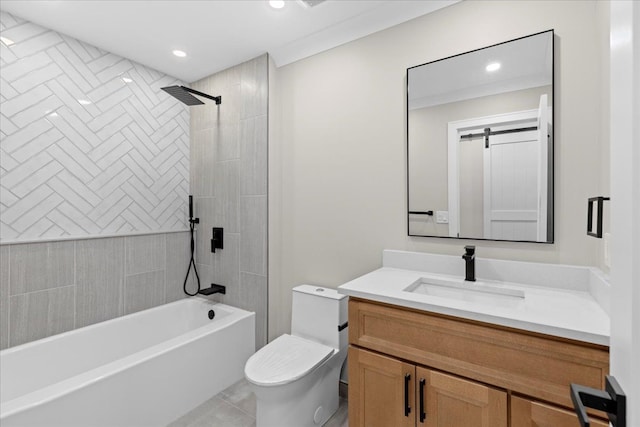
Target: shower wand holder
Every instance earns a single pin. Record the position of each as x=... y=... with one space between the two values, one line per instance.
x=214 y=289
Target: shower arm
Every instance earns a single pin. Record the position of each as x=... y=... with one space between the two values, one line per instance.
x=217 y=99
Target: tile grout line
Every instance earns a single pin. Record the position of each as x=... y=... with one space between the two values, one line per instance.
x=75 y=282
x=124 y=276
x=8 y=296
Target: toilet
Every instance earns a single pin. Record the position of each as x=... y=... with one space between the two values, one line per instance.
x=295 y=377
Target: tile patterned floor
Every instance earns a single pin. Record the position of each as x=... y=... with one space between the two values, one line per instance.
x=236 y=407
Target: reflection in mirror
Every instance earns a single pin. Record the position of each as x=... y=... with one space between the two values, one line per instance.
x=480 y=143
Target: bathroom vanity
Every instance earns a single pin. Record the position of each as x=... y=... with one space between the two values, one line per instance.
x=428 y=349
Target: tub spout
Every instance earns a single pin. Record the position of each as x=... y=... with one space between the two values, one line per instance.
x=214 y=289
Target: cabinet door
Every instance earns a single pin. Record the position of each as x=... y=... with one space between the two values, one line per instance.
x=457 y=402
x=528 y=413
x=381 y=390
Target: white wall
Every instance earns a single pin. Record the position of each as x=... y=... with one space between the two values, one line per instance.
x=82 y=152
x=341 y=144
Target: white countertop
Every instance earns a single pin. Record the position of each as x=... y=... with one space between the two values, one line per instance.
x=569 y=312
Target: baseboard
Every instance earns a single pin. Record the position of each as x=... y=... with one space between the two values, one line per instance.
x=343 y=389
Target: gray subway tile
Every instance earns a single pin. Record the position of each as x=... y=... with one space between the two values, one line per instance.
x=99 y=277
x=204 y=209
x=248 y=89
x=206 y=277
x=39 y=266
x=227 y=140
x=225 y=209
x=41 y=314
x=226 y=266
x=231 y=102
x=254 y=87
x=144 y=253
x=253 y=155
x=142 y=291
x=262 y=85
x=4 y=296
x=253 y=296
x=178 y=257
x=253 y=242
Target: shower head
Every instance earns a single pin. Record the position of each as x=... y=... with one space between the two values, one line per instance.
x=183 y=93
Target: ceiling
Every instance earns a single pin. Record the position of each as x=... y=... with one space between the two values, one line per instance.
x=216 y=34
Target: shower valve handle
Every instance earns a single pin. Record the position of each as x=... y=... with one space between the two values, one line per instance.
x=217 y=239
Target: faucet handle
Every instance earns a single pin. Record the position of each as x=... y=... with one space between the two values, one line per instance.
x=470 y=250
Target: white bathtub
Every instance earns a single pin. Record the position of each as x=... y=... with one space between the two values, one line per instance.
x=144 y=369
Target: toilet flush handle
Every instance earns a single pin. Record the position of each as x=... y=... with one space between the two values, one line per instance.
x=343 y=326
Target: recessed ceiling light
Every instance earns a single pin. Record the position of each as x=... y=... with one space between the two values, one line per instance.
x=126 y=80
x=494 y=66
x=84 y=101
x=276 y=4
x=179 y=53
x=6 y=41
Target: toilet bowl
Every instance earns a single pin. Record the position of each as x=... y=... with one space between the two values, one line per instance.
x=295 y=377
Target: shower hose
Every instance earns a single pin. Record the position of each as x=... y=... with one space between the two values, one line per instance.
x=192 y=262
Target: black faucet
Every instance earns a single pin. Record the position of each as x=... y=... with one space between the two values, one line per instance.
x=469 y=263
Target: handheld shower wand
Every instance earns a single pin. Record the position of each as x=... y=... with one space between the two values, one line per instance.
x=192 y=225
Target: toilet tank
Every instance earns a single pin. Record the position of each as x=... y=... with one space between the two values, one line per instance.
x=316 y=314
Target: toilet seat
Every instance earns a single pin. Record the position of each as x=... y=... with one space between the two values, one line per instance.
x=285 y=359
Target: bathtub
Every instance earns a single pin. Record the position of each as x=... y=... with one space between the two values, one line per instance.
x=143 y=369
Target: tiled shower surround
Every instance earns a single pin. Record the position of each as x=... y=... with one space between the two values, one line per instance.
x=91 y=146
x=52 y=287
x=229 y=184
x=89 y=143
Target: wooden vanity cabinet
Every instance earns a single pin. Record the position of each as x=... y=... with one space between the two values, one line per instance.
x=377 y=385
x=463 y=373
x=384 y=391
x=528 y=413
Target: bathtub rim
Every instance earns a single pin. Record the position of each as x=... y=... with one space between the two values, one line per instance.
x=62 y=388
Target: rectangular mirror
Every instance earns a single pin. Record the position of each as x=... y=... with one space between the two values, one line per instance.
x=480 y=143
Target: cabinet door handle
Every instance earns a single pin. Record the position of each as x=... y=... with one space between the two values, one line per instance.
x=423 y=414
x=407 y=408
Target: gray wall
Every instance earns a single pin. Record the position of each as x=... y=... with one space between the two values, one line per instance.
x=52 y=287
x=229 y=184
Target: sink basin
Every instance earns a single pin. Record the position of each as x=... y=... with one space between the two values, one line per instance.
x=458 y=289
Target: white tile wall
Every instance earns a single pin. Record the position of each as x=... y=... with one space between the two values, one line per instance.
x=116 y=165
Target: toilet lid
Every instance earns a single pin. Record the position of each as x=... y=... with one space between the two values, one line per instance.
x=284 y=360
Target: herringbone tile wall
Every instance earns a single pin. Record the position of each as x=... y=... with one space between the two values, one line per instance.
x=89 y=144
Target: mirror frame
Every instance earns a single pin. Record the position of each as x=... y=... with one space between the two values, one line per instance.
x=551 y=173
